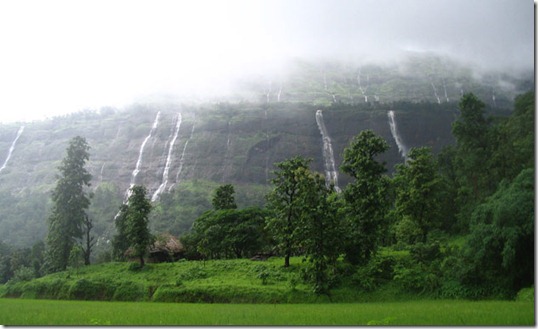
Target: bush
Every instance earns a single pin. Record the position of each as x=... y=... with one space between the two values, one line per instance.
x=377 y=271
x=84 y=289
x=526 y=295
x=130 y=291
x=23 y=273
x=196 y=272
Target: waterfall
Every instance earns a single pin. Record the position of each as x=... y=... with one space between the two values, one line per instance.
x=394 y=131
x=446 y=95
x=363 y=90
x=182 y=157
x=279 y=93
x=435 y=93
x=331 y=175
x=141 y=152
x=168 y=161
x=12 y=147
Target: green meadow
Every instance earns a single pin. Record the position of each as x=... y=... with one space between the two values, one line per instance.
x=426 y=312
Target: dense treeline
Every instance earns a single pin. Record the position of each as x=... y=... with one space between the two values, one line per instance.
x=459 y=223
x=479 y=191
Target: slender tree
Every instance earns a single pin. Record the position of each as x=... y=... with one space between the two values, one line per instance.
x=136 y=223
x=366 y=197
x=319 y=229
x=418 y=190
x=285 y=203
x=70 y=202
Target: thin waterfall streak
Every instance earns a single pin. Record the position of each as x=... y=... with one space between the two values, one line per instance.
x=435 y=93
x=141 y=152
x=182 y=157
x=12 y=148
x=331 y=175
x=394 y=131
x=164 y=182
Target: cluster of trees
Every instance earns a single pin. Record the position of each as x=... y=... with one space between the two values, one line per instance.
x=481 y=188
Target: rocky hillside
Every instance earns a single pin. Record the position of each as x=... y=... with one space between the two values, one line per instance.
x=181 y=150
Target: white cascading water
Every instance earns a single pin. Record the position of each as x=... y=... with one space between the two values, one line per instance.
x=394 y=131
x=168 y=161
x=182 y=157
x=12 y=148
x=363 y=90
x=446 y=95
x=435 y=93
x=141 y=152
x=331 y=175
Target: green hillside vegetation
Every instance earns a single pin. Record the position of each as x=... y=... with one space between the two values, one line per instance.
x=458 y=224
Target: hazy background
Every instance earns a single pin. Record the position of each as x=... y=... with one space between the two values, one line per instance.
x=62 y=56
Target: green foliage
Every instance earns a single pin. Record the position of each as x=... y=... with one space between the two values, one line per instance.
x=500 y=250
x=378 y=271
x=418 y=193
x=223 y=197
x=227 y=233
x=130 y=291
x=525 y=295
x=284 y=202
x=84 y=289
x=70 y=204
x=132 y=224
x=319 y=229
x=366 y=197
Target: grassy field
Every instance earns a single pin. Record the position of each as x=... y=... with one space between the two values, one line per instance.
x=430 y=312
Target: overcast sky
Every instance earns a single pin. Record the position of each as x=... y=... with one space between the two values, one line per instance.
x=59 y=56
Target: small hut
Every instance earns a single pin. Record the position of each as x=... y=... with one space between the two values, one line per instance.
x=166 y=248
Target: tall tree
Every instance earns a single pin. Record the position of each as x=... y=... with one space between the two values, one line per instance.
x=472 y=134
x=223 y=197
x=319 y=229
x=120 y=243
x=285 y=203
x=70 y=202
x=417 y=190
x=366 y=197
x=136 y=228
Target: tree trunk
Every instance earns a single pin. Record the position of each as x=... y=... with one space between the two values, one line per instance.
x=287 y=261
x=141 y=261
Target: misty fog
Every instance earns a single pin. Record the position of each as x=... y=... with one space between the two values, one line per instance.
x=61 y=56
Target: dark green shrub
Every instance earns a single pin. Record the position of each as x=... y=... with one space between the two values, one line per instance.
x=264 y=276
x=84 y=289
x=130 y=291
x=376 y=272
x=526 y=295
x=425 y=252
x=196 y=272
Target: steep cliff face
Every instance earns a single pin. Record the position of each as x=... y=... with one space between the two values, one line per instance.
x=229 y=141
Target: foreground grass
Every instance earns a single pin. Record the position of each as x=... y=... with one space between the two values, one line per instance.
x=430 y=312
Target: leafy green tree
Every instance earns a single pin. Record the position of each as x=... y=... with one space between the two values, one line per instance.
x=228 y=233
x=366 y=197
x=473 y=147
x=417 y=190
x=120 y=242
x=223 y=197
x=319 y=229
x=514 y=140
x=285 y=204
x=500 y=248
x=132 y=224
x=70 y=202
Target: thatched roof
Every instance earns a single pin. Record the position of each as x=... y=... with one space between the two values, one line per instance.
x=166 y=242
